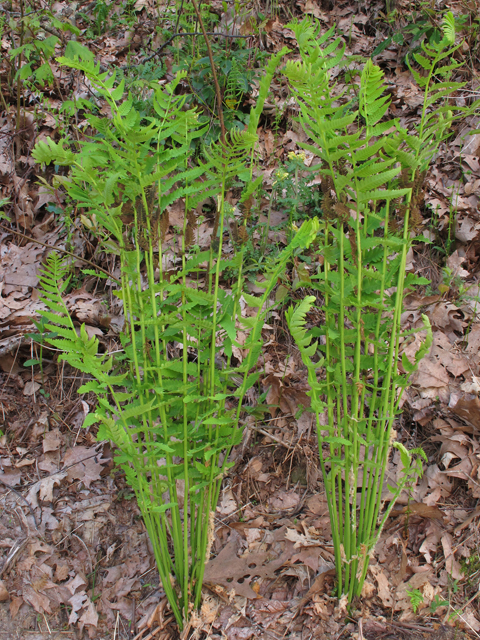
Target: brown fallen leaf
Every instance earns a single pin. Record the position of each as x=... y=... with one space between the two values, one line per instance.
x=44 y=488
x=466 y=407
x=7 y=164
x=39 y=601
x=466 y=230
x=419 y=509
x=269 y=142
x=77 y=601
x=317 y=587
x=430 y=374
x=465 y=523
x=447 y=317
x=447 y=355
x=31 y=387
x=4 y=595
x=15 y=604
x=417 y=581
x=233 y=572
x=454 y=263
x=473 y=347
x=468 y=620
x=52 y=440
x=84 y=463
x=90 y=615
x=452 y=565
x=284 y=500
x=429 y=546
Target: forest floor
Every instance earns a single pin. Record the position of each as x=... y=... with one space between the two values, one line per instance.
x=75 y=560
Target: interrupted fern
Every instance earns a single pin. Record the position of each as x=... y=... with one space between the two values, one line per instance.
x=355 y=384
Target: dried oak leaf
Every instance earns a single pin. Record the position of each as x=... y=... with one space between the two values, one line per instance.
x=452 y=565
x=383 y=584
x=4 y=595
x=473 y=347
x=87 y=464
x=39 y=602
x=467 y=408
x=44 y=488
x=233 y=572
x=52 y=440
x=430 y=374
x=90 y=615
x=403 y=600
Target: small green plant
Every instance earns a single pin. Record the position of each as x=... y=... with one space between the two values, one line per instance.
x=420 y=25
x=453 y=285
x=36 y=49
x=237 y=67
x=436 y=603
x=471 y=570
x=372 y=171
x=101 y=12
x=173 y=415
x=416 y=598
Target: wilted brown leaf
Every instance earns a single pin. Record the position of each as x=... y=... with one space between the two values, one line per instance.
x=452 y=565
x=44 y=488
x=383 y=584
x=4 y=595
x=39 y=601
x=52 y=440
x=430 y=374
x=84 y=463
x=466 y=407
x=230 y=571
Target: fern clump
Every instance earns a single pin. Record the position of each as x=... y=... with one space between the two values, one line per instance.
x=372 y=173
x=172 y=414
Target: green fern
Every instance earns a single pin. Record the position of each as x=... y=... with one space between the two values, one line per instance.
x=295 y=318
x=370 y=166
x=173 y=416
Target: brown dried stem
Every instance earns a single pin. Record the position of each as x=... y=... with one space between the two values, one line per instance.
x=214 y=73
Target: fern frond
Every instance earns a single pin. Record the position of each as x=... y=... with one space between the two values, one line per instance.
x=306 y=32
x=47 y=151
x=263 y=89
x=372 y=105
x=296 y=321
x=448 y=27
x=230 y=157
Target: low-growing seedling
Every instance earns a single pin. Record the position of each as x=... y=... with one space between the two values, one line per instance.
x=436 y=603
x=416 y=598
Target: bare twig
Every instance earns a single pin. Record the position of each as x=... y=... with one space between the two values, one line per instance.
x=179 y=35
x=272 y=437
x=15 y=551
x=17 y=493
x=86 y=549
x=150 y=635
x=413 y=627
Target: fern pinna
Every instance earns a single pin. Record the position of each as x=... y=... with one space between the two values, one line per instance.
x=370 y=166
